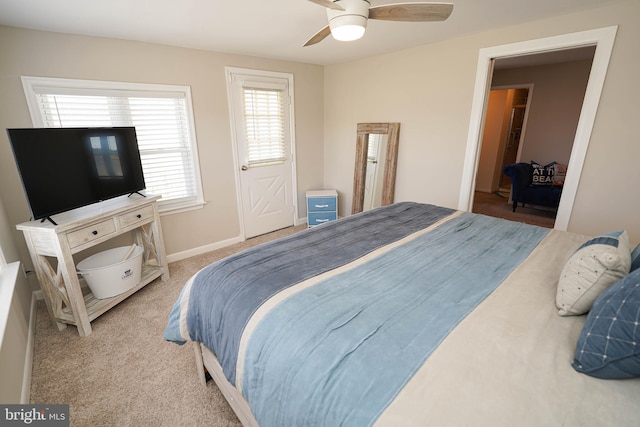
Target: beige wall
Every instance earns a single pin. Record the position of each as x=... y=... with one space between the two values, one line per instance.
x=556 y=100
x=429 y=90
x=34 y=53
x=495 y=132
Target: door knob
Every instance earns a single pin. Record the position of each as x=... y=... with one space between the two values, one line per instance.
x=244 y=167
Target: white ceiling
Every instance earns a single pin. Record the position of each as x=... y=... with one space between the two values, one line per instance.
x=267 y=28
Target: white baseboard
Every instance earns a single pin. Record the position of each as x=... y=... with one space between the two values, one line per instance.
x=484 y=190
x=202 y=249
x=178 y=256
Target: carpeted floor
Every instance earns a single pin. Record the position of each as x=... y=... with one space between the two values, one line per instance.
x=124 y=373
x=498 y=206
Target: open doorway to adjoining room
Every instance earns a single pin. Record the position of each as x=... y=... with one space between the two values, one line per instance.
x=531 y=116
x=504 y=130
x=491 y=60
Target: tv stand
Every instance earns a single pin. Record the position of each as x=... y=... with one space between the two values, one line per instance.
x=136 y=192
x=81 y=229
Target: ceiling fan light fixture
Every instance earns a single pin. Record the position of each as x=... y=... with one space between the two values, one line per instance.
x=348 y=18
x=348 y=27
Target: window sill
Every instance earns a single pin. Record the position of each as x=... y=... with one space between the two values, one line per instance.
x=175 y=208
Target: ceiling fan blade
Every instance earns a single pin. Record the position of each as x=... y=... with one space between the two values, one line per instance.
x=319 y=36
x=327 y=3
x=413 y=12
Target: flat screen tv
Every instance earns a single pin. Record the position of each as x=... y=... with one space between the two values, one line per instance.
x=67 y=168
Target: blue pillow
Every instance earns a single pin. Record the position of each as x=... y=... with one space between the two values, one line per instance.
x=635 y=258
x=609 y=344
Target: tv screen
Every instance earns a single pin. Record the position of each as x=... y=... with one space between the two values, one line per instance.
x=66 y=168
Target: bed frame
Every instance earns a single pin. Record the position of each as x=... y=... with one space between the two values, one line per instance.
x=206 y=361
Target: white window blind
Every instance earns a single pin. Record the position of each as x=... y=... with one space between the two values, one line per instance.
x=163 y=123
x=264 y=124
x=372 y=147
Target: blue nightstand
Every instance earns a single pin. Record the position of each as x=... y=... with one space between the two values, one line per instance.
x=322 y=206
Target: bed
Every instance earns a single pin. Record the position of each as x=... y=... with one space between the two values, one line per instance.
x=409 y=314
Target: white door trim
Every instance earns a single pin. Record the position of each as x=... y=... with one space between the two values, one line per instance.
x=603 y=39
x=229 y=71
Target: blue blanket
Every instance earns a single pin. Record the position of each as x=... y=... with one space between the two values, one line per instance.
x=225 y=295
x=338 y=351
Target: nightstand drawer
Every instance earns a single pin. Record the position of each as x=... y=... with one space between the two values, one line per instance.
x=321 y=204
x=93 y=232
x=317 y=218
x=130 y=218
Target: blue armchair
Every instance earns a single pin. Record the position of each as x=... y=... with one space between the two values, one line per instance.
x=522 y=190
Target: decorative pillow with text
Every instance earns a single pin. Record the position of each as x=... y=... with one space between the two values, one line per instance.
x=542 y=175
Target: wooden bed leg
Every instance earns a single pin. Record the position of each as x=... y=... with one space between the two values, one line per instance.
x=200 y=364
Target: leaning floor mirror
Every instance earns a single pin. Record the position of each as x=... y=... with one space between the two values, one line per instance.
x=375 y=169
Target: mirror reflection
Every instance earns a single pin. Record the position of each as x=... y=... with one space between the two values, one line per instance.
x=374 y=177
x=375 y=168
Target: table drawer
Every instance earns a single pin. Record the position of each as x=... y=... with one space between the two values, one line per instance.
x=321 y=204
x=317 y=218
x=92 y=232
x=133 y=217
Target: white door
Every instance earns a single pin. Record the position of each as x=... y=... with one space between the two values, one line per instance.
x=261 y=116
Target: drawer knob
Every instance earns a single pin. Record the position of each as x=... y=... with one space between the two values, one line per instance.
x=138 y=216
x=94 y=232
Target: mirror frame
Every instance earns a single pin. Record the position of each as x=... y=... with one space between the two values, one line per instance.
x=392 y=130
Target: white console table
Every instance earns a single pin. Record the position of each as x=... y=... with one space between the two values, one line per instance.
x=81 y=229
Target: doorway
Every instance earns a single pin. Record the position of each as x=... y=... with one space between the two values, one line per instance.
x=504 y=128
x=603 y=39
x=517 y=111
x=261 y=117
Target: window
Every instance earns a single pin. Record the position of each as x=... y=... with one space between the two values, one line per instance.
x=372 y=148
x=163 y=118
x=264 y=120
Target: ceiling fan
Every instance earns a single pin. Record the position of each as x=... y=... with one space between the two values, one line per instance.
x=348 y=18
